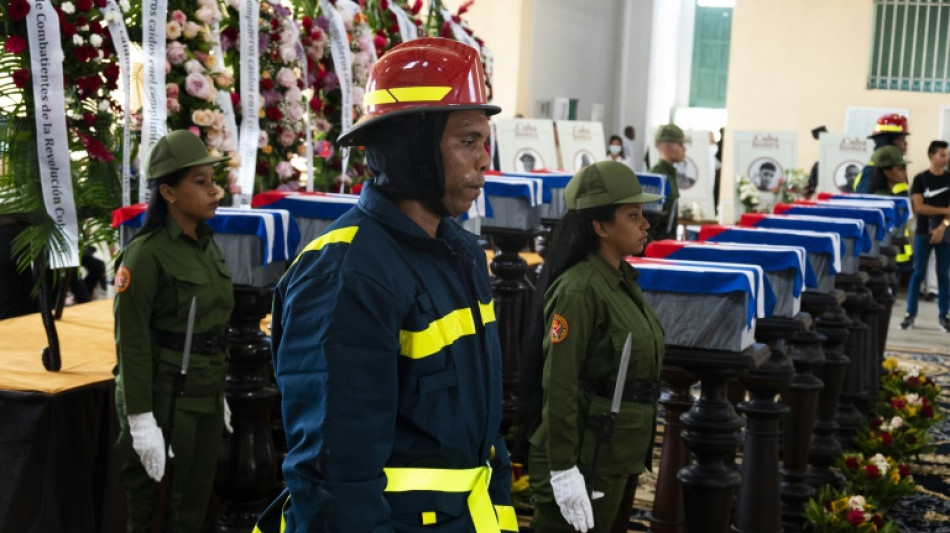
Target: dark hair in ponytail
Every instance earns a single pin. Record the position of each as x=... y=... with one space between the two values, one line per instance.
x=157 y=211
x=573 y=239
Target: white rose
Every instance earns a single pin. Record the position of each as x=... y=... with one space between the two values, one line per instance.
x=194 y=66
x=124 y=5
x=857 y=502
x=896 y=422
x=68 y=8
x=77 y=40
x=288 y=53
x=95 y=40
x=912 y=399
x=104 y=105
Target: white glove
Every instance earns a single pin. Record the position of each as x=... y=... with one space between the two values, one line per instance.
x=570 y=493
x=148 y=443
x=227 y=417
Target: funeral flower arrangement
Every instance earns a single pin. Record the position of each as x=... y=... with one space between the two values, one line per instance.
x=793 y=185
x=748 y=194
x=833 y=512
x=381 y=15
x=281 y=121
x=879 y=478
x=90 y=70
x=193 y=77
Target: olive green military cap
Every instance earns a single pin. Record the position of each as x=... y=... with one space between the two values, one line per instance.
x=605 y=183
x=888 y=156
x=669 y=133
x=177 y=150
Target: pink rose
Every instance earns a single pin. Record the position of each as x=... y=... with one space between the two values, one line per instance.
x=196 y=85
x=168 y=67
x=286 y=78
x=201 y=117
x=235 y=188
x=223 y=79
x=190 y=30
x=294 y=112
x=211 y=93
x=261 y=139
x=171 y=90
x=214 y=139
x=175 y=53
x=288 y=53
x=178 y=16
x=284 y=170
x=195 y=130
x=172 y=105
x=205 y=14
x=192 y=65
x=293 y=94
x=217 y=120
x=287 y=137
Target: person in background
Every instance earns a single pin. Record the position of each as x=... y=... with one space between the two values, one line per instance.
x=615 y=150
x=385 y=343
x=813 y=175
x=591 y=304
x=889 y=130
x=669 y=142
x=930 y=197
x=890 y=172
x=634 y=159
x=171 y=260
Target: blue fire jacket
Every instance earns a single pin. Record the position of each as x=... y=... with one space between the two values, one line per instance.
x=387 y=355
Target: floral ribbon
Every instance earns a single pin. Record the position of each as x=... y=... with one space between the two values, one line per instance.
x=49 y=102
x=342 y=66
x=154 y=113
x=407 y=29
x=250 y=95
x=120 y=38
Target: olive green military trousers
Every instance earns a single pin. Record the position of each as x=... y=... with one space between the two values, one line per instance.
x=195 y=443
x=611 y=513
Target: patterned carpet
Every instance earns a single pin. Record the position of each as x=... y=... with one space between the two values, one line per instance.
x=928 y=511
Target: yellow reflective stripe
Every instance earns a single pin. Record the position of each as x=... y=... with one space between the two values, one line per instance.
x=899 y=188
x=267 y=518
x=428 y=518
x=380 y=96
x=443 y=332
x=507 y=521
x=887 y=128
x=420 y=94
x=344 y=235
x=471 y=480
x=487 y=311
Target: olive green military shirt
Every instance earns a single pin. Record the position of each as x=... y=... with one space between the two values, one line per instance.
x=158 y=275
x=667 y=168
x=591 y=308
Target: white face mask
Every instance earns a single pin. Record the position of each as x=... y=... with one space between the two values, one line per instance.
x=614 y=149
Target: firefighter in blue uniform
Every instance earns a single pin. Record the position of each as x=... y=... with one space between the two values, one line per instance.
x=385 y=343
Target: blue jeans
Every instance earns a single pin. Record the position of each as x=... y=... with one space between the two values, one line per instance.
x=922 y=248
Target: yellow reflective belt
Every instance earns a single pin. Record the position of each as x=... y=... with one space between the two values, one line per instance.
x=405 y=94
x=443 y=332
x=507 y=521
x=344 y=235
x=474 y=481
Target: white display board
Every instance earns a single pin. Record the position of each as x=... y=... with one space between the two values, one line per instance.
x=525 y=144
x=695 y=176
x=581 y=143
x=763 y=157
x=840 y=160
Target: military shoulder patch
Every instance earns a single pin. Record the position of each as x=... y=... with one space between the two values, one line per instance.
x=123 y=278
x=559 y=328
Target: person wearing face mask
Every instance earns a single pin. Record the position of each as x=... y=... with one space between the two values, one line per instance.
x=615 y=149
x=385 y=344
x=592 y=303
x=171 y=260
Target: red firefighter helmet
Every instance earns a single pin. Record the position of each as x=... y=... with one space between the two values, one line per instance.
x=428 y=74
x=892 y=124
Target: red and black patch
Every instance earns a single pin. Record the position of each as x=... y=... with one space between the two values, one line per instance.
x=123 y=279
x=559 y=328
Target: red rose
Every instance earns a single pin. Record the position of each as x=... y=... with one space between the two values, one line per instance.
x=307 y=23
x=913 y=382
x=897 y=403
x=262 y=167
x=274 y=24
x=15 y=44
x=877 y=520
x=83 y=5
x=446 y=30
x=316 y=104
x=886 y=439
x=927 y=411
x=876 y=423
x=88 y=119
x=855 y=517
x=68 y=29
x=18 y=10
x=273 y=113
x=316 y=34
x=384 y=4
x=903 y=470
x=417 y=7
x=100 y=3
x=394 y=28
x=95 y=148
x=851 y=463
x=379 y=42
x=235 y=99
x=81 y=21
x=95 y=27
x=871 y=471
x=267 y=84
x=21 y=77
x=111 y=72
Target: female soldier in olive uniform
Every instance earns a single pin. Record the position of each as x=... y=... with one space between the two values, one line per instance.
x=172 y=259
x=591 y=303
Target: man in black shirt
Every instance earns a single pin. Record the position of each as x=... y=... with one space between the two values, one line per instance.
x=930 y=195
